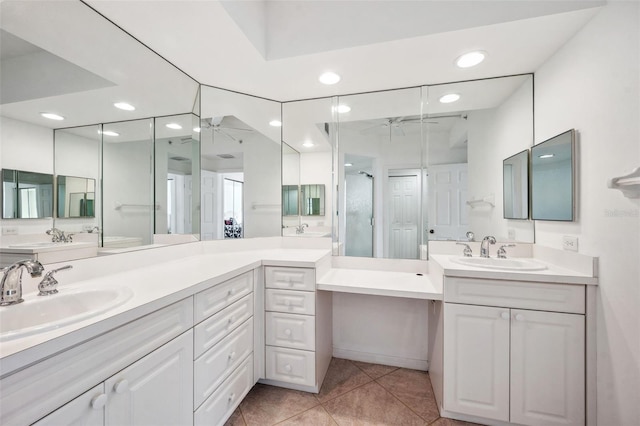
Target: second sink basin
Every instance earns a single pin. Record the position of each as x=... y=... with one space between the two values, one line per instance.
x=43 y=313
x=512 y=264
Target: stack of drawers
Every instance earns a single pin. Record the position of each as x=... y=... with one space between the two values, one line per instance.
x=223 y=349
x=290 y=325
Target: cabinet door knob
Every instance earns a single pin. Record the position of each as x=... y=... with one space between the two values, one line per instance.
x=287 y=332
x=519 y=317
x=121 y=386
x=504 y=315
x=287 y=367
x=99 y=401
x=232 y=355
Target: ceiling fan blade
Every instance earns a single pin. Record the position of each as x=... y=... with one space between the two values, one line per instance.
x=215 y=121
x=238 y=129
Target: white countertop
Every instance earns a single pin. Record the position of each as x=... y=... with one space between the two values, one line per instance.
x=380 y=283
x=37 y=247
x=154 y=287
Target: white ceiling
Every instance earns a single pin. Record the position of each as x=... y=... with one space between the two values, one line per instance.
x=277 y=49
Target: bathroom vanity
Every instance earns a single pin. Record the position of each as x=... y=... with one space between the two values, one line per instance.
x=206 y=321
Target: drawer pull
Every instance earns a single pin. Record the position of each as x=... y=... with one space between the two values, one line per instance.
x=121 y=386
x=231 y=292
x=99 y=401
x=232 y=396
x=287 y=368
x=232 y=319
x=519 y=317
x=287 y=332
x=504 y=315
x=232 y=355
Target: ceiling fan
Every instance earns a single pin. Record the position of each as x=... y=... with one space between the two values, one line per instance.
x=218 y=125
x=395 y=124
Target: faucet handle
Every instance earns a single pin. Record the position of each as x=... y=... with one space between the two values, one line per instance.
x=48 y=284
x=467 y=252
x=502 y=253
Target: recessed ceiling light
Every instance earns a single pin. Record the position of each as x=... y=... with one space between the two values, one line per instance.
x=348 y=165
x=341 y=109
x=174 y=126
x=471 y=59
x=275 y=123
x=545 y=156
x=125 y=106
x=308 y=144
x=196 y=129
x=451 y=97
x=329 y=78
x=52 y=116
x=109 y=133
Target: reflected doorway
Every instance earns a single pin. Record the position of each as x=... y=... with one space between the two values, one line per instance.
x=233 y=208
x=404 y=211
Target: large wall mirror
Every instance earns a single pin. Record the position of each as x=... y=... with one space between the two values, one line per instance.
x=241 y=163
x=26 y=195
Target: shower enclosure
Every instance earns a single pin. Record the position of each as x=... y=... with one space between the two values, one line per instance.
x=359 y=204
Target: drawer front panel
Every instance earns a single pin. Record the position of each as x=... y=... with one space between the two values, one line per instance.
x=215 y=328
x=290 y=330
x=216 y=364
x=516 y=294
x=290 y=278
x=291 y=366
x=219 y=406
x=218 y=297
x=293 y=302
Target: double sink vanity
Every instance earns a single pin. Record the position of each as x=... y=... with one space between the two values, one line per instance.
x=180 y=334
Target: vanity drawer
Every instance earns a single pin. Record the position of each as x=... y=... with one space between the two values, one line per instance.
x=216 y=364
x=219 y=406
x=516 y=294
x=290 y=278
x=218 y=297
x=294 y=302
x=216 y=327
x=290 y=330
x=291 y=366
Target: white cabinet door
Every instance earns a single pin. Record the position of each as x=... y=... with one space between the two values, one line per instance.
x=156 y=390
x=85 y=410
x=547 y=368
x=476 y=360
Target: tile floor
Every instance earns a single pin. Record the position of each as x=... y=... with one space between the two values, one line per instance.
x=353 y=393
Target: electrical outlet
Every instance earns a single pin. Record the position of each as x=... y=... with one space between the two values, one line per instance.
x=570 y=243
x=9 y=230
x=511 y=234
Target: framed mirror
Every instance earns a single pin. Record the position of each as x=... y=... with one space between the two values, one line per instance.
x=515 y=186
x=313 y=200
x=75 y=197
x=26 y=195
x=552 y=178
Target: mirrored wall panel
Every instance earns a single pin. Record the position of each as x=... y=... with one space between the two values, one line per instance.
x=515 y=186
x=241 y=191
x=75 y=197
x=470 y=128
x=290 y=185
x=26 y=195
x=308 y=130
x=552 y=174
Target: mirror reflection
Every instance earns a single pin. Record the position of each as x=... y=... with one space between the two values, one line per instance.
x=516 y=186
x=241 y=161
x=312 y=198
x=26 y=195
x=552 y=178
x=75 y=197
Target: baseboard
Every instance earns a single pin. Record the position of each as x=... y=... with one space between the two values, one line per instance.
x=414 y=364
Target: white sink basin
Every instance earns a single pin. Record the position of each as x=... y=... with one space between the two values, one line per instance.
x=500 y=264
x=311 y=234
x=43 y=313
x=35 y=245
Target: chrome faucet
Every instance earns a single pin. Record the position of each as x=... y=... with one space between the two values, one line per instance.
x=48 y=284
x=300 y=229
x=58 y=236
x=484 y=246
x=11 y=285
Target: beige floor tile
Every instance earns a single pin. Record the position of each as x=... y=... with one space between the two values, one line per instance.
x=374 y=370
x=371 y=404
x=341 y=377
x=317 y=416
x=236 y=419
x=442 y=421
x=413 y=388
x=267 y=405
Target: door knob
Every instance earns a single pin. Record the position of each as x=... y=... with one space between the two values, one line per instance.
x=432 y=231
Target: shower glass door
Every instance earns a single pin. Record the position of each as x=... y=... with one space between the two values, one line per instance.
x=359 y=203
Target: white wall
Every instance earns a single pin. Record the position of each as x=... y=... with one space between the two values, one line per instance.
x=592 y=84
x=26 y=147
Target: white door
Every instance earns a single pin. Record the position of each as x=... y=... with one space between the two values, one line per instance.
x=476 y=360
x=404 y=210
x=85 y=410
x=547 y=368
x=210 y=223
x=448 y=210
x=156 y=390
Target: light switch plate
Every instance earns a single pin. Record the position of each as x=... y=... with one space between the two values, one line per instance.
x=9 y=230
x=570 y=243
